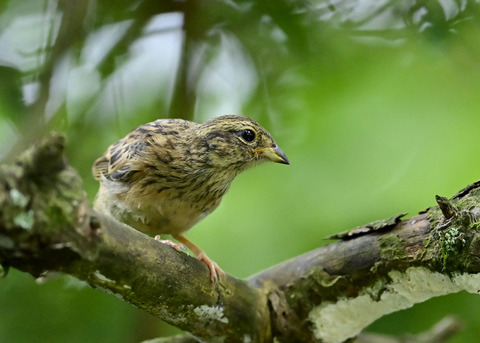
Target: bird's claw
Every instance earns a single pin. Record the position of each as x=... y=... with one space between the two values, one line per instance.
x=177 y=246
x=215 y=270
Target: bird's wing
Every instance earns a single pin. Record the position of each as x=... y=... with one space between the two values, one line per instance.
x=118 y=160
x=129 y=154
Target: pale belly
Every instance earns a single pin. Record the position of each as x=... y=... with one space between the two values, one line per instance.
x=155 y=217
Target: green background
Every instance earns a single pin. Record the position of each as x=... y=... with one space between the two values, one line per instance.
x=372 y=127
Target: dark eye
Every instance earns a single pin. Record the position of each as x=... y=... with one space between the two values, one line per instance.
x=248 y=135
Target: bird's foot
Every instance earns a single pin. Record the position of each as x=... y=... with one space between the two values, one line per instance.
x=215 y=270
x=176 y=246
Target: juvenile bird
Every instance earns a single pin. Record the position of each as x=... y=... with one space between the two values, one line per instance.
x=167 y=175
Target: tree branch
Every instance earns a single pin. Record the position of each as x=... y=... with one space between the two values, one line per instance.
x=112 y=256
x=327 y=295
x=439 y=333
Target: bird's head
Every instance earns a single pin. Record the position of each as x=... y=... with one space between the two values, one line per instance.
x=238 y=142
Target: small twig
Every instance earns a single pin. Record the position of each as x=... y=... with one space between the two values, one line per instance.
x=439 y=333
x=173 y=339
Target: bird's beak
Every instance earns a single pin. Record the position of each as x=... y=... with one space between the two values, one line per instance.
x=274 y=154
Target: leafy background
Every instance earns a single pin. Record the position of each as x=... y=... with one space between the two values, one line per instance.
x=376 y=104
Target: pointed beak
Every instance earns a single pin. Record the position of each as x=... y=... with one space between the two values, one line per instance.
x=274 y=154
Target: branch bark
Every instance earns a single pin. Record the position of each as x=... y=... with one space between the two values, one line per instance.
x=326 y=295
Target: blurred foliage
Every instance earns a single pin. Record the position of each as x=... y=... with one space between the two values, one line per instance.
x=374 y=102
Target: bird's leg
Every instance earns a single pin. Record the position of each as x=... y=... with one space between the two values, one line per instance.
x=202 y=256
x=176 y=246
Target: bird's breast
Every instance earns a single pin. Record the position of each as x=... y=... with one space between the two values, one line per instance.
x=165 y=207
x=164 y=214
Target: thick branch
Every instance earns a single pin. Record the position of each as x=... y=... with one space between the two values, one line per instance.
x=380 y=268
x=329 y=294
x=47 y=224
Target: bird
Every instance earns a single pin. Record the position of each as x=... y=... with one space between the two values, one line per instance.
x=167 y=175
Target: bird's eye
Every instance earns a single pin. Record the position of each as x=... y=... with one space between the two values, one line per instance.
x=248 y=135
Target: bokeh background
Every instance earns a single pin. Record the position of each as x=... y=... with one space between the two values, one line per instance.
x=376 y=104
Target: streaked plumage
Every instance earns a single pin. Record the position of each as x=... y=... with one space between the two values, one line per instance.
x=167 y=175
